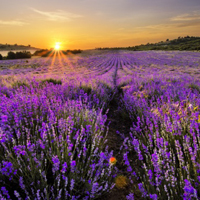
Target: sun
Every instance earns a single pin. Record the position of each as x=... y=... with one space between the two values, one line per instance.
x=57 y=46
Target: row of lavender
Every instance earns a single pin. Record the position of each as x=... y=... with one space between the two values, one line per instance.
x=165 y=111
x=100 y=64
x=52 y=141
x=161 y=93
x=52 y=131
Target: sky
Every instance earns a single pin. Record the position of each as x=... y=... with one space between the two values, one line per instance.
x=88 y=24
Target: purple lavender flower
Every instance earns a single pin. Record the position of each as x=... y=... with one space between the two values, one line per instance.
x=38 y=195
x=72 y=184
x=142 y=190
x=64 y=167
x=4 y=118
x=20 y=149
x=153 y=196
x=21 y=183
x=5 y=192
x=8 y=169
x=189 y=191
x=42 y=145
x=56 y=163
x=95 y=187
x=73 y=165
x=155 y=163
x=17 y=194
x=150 y=174
x=130 y=196
x=30 y=146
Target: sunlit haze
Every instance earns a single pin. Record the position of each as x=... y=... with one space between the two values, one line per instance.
x=57 y=46
x=86 y=24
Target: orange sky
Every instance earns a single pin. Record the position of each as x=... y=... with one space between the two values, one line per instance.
x=87 y=24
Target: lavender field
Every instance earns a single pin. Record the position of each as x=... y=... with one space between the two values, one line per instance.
x=101 y=125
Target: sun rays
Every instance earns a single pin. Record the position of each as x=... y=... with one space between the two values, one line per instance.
x=58 y=60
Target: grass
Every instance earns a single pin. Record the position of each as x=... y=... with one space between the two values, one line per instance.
x=51 y=80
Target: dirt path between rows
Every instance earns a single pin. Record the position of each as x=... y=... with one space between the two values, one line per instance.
x=117 y=124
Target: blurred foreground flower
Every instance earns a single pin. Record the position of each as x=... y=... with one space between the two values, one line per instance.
x=121 y=181
x=199 y=119
x=112 y=161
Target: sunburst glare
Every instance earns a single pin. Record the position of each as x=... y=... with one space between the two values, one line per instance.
x=57 y=46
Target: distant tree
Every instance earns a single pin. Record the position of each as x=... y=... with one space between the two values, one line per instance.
x=18 y=55
x=1 y=57
x=24 y=54
x=167 y=40
x=11 y=55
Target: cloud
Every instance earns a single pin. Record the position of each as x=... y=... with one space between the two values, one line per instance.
x=189 y=24
x=187 y=17
x=180 y=21
x=156 y=26
x=58 y=15
x=13 y=22
x=170 y=26
x=187 y=20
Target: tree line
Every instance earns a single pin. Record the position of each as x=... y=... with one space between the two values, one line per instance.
x=52 y=52
x=17 y=55
x=187 y=43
